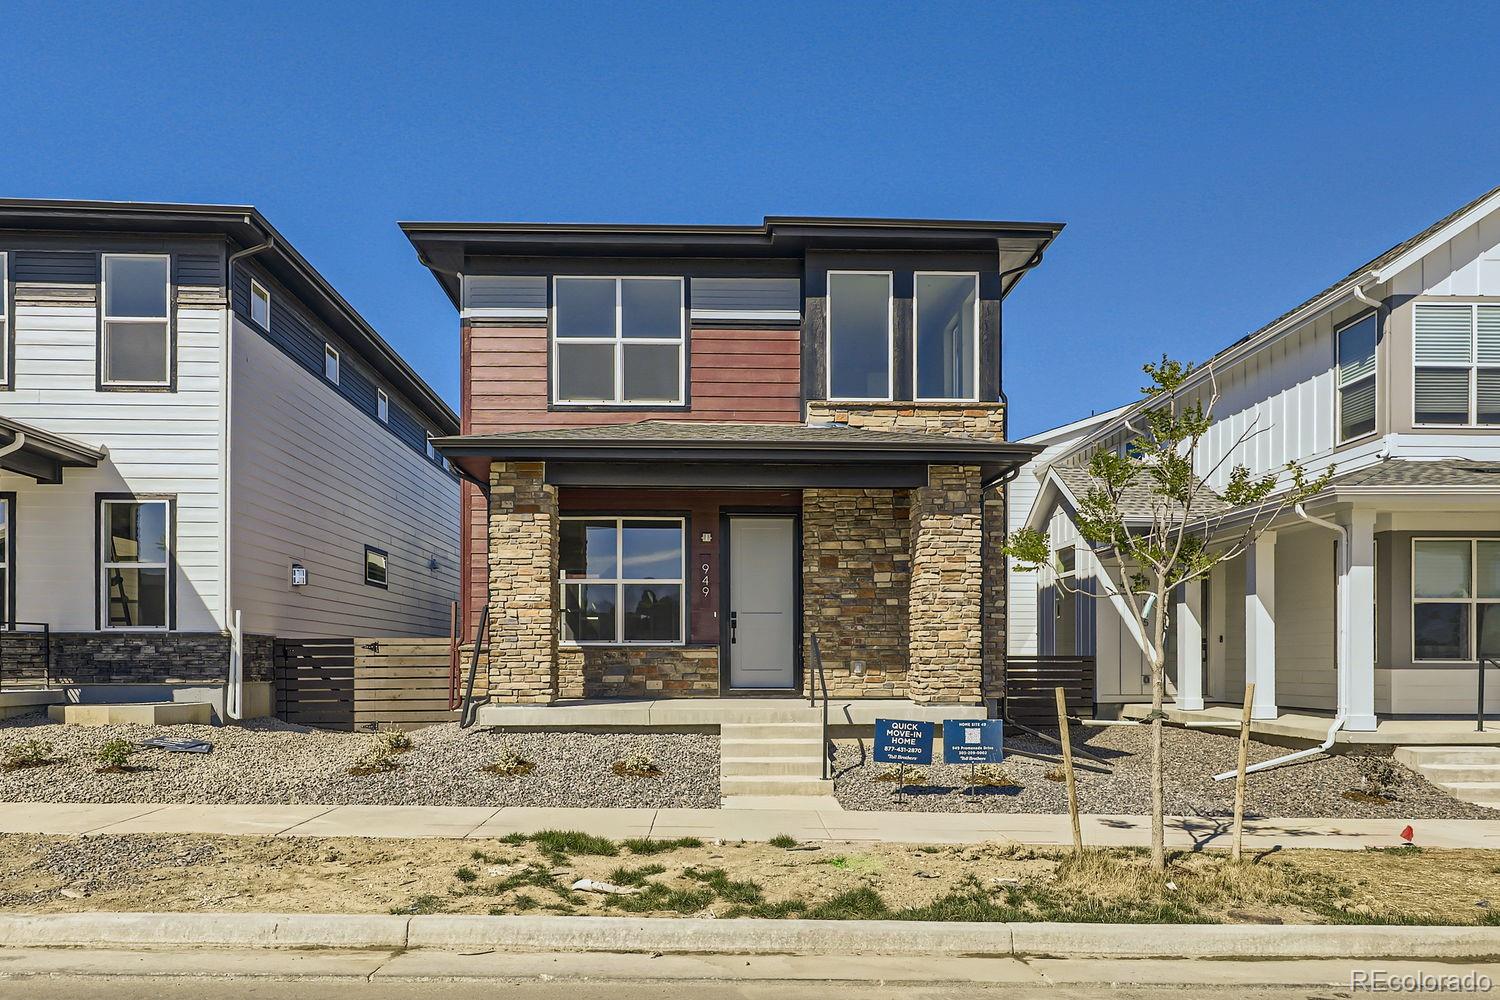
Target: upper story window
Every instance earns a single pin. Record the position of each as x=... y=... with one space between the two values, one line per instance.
x=618 y=341
x=859 y=335
x=947 y=331
x=1356 y=377
x=382 y=406
x=135 y=566
x=1456 y=349
x=135 y=330
x=260 y=305
x=330 y=364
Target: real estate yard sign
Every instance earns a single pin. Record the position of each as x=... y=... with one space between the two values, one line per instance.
x=973 y=741
x=903 y=741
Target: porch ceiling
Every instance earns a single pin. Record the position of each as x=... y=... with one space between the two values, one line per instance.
x=41 y=455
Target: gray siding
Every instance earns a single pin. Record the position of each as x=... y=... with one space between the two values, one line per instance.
x=56 y=267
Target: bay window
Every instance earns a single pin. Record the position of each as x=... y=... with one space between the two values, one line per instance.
x=622 y=579
x=1356 y=377
x=618 y=341
x=135 y=563
x=859 y=335
x=947 y=331
x=1455 y=598
x=1456 y=348
x=135 y=337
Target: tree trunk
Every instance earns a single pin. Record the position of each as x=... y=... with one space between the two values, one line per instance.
x=1158 y=776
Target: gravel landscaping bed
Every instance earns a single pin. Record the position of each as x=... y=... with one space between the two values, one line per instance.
x=1313 y=787
x=266 y=761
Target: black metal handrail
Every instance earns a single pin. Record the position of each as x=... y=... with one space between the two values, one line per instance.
x=1479 y=706
x=470 y=712
x=812 y=696
x=43 y=629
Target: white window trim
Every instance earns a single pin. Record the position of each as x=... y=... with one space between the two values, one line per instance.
x=1338 y=389
x=620 y=583
x=382 y=406
x=431 y=451
x=257 y=288
x=331 y=354
x=890 y=340
x=5 y=330
x=916 y=334
x=105 y=320
x=619 y=341
x=7 y=584
x=104 y=565
x=1473 y=600
x=1473 y=367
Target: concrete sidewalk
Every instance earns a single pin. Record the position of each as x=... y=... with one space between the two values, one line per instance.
x=480 y=822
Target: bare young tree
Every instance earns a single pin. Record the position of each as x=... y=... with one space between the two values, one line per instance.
x=1155 y=524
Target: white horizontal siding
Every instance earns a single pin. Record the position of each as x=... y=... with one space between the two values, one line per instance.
x=159 y=442
x=313 y=481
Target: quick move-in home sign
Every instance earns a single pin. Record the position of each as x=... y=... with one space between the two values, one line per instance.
x=973 y=741
x=902 y=741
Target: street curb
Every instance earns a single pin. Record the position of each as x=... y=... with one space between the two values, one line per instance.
x=741 y=936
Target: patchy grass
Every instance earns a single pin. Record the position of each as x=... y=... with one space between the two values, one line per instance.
x=420 y=906
x=466 y=875
x=634 y=876
x=646 y=846
x=562 y=843
x=725 y=887
x=785 y=841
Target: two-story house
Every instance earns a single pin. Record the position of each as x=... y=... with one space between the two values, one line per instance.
x=1378 y=599
x=202 y=446
x=692 y=449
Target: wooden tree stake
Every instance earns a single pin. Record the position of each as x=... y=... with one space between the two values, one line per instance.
x=1067 y=749
x=1238 y=851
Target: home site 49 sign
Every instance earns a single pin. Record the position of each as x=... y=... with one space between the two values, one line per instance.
x=973 y=741
x=902 y=741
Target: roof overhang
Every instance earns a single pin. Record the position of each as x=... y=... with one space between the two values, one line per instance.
x=444 y=246
x=42 y=455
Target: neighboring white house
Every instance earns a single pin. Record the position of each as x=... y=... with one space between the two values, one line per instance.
x=1380 y=599
x=195 y=426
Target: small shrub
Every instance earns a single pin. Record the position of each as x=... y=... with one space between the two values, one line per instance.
x=376 y=760
x=994 y=777
x=785 y=841
x=894 y=775
x=647 y=846
x=1056 y=774
x=1379 y=777
x=636 y=764
x=28 y=753
x=114 y=756
x=395 y=741
x=510 y=764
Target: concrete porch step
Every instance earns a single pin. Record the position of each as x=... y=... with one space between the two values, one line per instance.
x=1417 y=757
x=22 y=701
x=787 y=784
x=770 y=766
x=771 y=731
x=1484 y=793
x=1471 y=774
x=1464 y=773
x=156 y=713
x=737 y=748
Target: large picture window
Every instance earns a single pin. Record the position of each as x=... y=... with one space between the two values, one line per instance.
x=1455 y=586
x=1457 y=353
x=135 y=348
x=618 y=341
x=135 y=563
x=1356 y=373
x=947 y=324
x=859 y=335
x=621 y=579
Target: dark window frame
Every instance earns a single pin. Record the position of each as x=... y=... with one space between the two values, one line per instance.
x=383 y=554
x=99 y=610
x=619 y=582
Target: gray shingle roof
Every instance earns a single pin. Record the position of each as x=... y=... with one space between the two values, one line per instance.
x=694 y=432
x=1396 y=473
x=1138 y=502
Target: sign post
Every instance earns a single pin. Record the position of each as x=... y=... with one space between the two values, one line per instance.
x=973 y=742
x=903 y=741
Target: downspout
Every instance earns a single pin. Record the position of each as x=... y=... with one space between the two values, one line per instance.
x=1360 y=294
x=234 y=680
x=15 y=445
x=1340 y=660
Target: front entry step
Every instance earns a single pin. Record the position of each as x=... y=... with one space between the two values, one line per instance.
x=771 y=760
x=1471 y=774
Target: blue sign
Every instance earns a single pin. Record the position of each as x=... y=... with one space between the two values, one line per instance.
x=900 y=741
x=973 y=741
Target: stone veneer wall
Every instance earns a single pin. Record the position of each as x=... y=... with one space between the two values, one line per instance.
x=522 y=585
x=982 y=420
x=856 y=557
x=945 y=622
x=128 y=658
x=641 y=672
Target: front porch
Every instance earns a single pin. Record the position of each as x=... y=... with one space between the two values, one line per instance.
x=649 y=714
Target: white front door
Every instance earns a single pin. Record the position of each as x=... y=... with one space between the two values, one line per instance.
x=762 y=602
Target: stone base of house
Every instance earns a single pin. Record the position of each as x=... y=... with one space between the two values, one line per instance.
x=655 y=672
x=78 y=658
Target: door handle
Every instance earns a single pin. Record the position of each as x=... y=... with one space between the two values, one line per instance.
x=734 y=623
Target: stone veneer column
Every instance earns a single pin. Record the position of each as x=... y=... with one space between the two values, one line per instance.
x=946 y=633
x=522 y=585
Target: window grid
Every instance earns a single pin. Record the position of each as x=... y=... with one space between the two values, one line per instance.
x=620 y=582
x=1473 y=602
x=108 y=322
x=1443 y=348
x=619 y=342
x=106 y=564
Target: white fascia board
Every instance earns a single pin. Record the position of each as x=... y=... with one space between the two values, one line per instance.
x=749 y=315
x=504 y=312
x=1437 y=239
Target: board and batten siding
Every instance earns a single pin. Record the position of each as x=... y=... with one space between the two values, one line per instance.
x=313 y=481
x=159 y=443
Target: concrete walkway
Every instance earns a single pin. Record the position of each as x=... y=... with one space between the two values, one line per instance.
x=480 y=822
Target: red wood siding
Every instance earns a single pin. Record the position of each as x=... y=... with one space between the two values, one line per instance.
x=737 y=376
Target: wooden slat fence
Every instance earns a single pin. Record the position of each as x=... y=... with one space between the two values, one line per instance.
x=1031 y=680
x=363 y=683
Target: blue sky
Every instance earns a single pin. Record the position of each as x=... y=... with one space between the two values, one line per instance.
x=1215 y=163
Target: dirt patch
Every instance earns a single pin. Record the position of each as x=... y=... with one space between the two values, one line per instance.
x=826 y=880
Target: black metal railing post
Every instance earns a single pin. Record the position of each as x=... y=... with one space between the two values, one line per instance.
x=470 y=711
x=817 y=658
